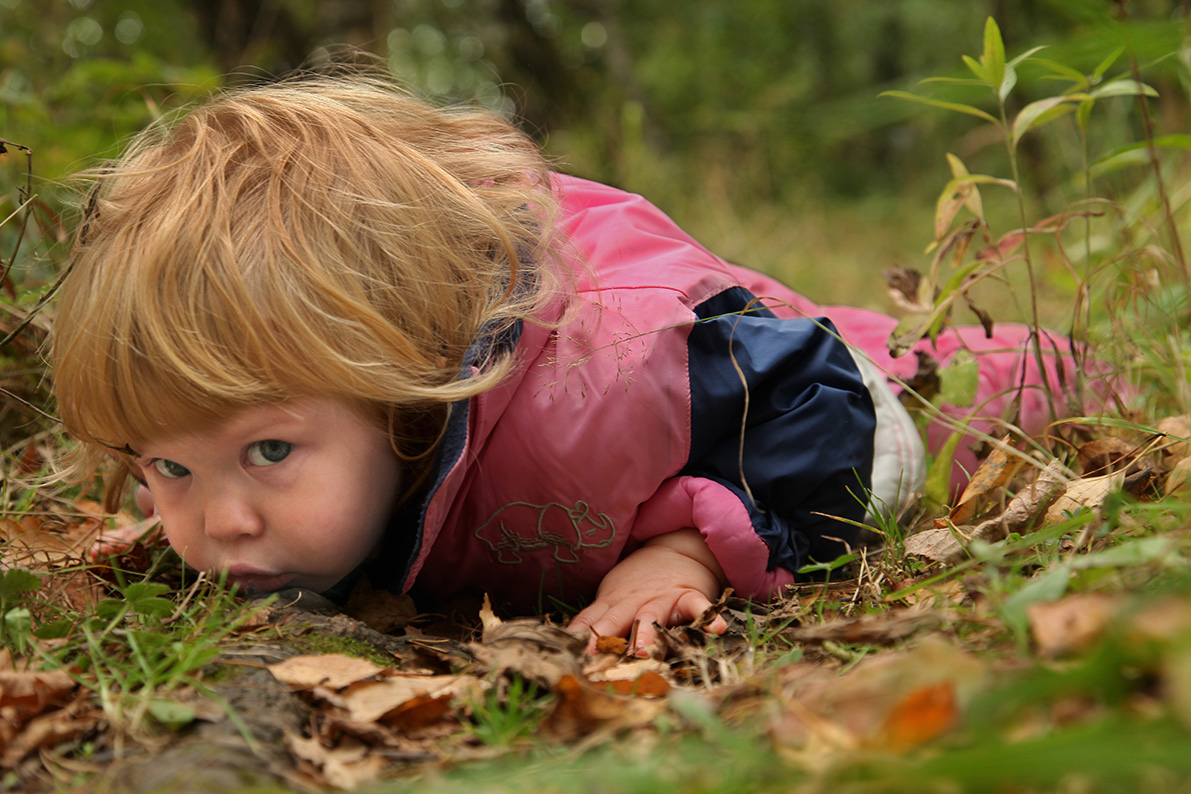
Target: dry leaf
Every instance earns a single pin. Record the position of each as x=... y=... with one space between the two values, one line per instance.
x=377 y=701
x=892 y=700
x=613 y=645
x=992 y=475
x=330 y=670
x=1071 y=624
x=1105 y=455
x=882 y=628
x=647 y=685
x=925 y=714
x=538 y=652
x=1179 y=427
x=1179 y=477
x=581 y=708
x=1088 y=493
x=488 y=618
x=941 y=545
x=45 y=730
x=345 y=766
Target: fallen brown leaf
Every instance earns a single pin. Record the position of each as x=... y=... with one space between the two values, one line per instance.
x=539 y=652
x=942 y=545
x=990 y=477
x=1071 y=624
x=923 y=715
x=882 y=628
x=345 y=766
x=1088 y=493
x=1180 y=427
x=381 y=700
x=581 y=708
x=330 y=670
x=1105 y=455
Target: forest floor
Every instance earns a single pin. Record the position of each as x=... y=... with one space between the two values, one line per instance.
x=1035 y=637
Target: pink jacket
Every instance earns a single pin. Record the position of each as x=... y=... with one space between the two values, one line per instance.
x=625 y=423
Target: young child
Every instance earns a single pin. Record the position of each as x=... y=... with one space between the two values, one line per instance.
x=331 y=329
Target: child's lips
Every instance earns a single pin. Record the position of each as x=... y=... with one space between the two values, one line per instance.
x=255 y=580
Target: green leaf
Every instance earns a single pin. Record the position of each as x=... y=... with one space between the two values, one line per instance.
x=960 y=379
x=18 y=624
x=953 y=80
x=172 y=714
x=54 y=630
x=1025 y=56
x=1123 y=87
x=1007 y=82
x=937 y=488
x=16 y=582
x=978 y=69
x=1140 y=551
x=1038 y=113
x=957 y=107
x=1063 y=71
x=994 y=58
x=1105 y=64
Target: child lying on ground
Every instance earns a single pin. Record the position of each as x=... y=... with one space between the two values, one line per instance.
x=333 y=331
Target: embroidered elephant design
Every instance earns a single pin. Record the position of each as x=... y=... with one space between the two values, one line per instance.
x=521 y=526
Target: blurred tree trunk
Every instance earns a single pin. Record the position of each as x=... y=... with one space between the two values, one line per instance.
x=277 y=36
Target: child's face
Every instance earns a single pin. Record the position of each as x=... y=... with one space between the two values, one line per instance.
x=292 y=494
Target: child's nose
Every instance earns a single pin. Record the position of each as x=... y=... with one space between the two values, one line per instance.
x=229 y=516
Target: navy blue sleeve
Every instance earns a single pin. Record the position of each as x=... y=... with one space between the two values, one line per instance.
x=808 y=433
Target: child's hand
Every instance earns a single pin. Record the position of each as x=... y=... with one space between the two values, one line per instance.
x=671 y=579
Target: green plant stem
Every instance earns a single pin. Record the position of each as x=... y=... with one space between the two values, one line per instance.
x=1147 y=126
x=1035 y=324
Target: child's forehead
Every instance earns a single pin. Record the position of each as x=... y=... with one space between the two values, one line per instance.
x=260 y=422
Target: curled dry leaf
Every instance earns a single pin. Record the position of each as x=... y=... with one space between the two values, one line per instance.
x=990 y=477
x=539 y=652
x=944 y=545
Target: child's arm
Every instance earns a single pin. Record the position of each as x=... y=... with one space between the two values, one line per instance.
x=672 y=578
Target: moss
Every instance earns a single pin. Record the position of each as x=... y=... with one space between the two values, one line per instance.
x=319 y=642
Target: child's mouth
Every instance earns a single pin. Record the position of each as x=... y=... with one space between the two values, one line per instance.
x=254 y=580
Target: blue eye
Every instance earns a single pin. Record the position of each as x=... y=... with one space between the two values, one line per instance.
x=167 y=468
x=266 y=453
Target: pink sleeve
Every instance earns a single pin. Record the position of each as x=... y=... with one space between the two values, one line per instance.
x=723 y=520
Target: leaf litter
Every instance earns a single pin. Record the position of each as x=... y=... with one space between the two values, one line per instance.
x=901 y=655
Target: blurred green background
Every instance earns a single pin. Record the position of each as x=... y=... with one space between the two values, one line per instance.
x=756 y=123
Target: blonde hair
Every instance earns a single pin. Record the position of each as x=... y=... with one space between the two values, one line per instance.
x=320 y=236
